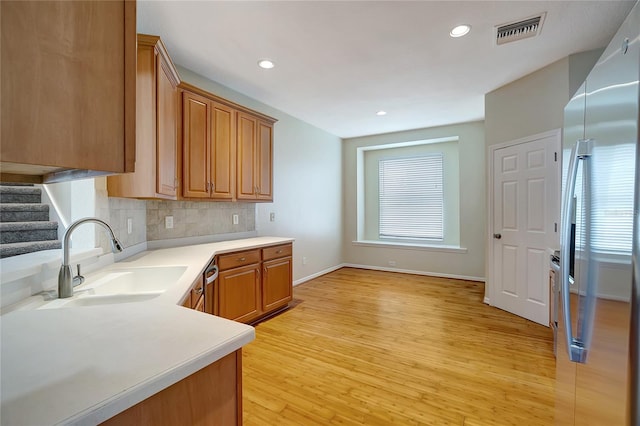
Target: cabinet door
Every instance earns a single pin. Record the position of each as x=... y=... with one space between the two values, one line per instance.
x=196 y=138
x=222 y=151
x=167 y=104
x=157 y=105
x=199 y=304
x=210 y=396
x=264 y=161
x=277 y=287
x=239 y=293
x=246 y=151
x=68 y=84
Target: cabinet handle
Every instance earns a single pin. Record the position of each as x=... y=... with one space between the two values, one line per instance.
x=211 y=274
x=242 y=259
x=213 y=186
x=279 y=251
x=175 y=183
x=198 y=290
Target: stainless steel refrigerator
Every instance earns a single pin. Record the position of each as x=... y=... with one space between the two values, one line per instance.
x=597 y=354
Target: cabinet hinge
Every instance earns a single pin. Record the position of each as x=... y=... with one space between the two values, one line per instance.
x=555 y=157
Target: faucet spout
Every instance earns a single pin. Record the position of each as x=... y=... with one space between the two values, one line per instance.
x=65 y=276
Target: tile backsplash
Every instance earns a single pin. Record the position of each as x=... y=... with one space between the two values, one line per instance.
x=190 y=219
x=123 y=209
x=199 y=218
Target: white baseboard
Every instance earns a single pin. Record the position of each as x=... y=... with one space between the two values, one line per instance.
x=385 y=269
x=486 y=300
x=317 y=274
x=409 y=271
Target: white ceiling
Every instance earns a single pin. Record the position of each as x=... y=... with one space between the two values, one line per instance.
x=337 y=63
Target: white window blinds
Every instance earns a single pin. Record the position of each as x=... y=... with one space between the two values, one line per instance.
x=411 y=197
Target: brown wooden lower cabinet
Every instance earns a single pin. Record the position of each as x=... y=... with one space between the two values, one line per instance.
x=195 y=298
x=277 y=290
x=253 y=283
x=239 y=293
x=211 y=396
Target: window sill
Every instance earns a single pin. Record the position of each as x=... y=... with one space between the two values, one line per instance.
x=410 y=246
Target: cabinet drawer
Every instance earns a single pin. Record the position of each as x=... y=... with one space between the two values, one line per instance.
x=241 y=258
x=276 y=252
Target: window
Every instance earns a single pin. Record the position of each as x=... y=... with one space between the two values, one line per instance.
x=411 y=199
x=408 y=194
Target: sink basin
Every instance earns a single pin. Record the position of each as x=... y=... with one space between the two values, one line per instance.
x=132 y=280
x=120 y=285
x=100 y=300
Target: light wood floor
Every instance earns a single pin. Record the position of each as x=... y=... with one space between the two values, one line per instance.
x=378 y=348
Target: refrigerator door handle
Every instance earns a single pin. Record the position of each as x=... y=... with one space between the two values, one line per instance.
x=575 y=346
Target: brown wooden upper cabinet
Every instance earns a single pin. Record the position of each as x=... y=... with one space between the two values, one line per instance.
x=255 y=159
x=156 y=127
x=227 y=150
x=208 y=138
x=68 y=81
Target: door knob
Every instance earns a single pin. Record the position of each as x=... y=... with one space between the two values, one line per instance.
x=497 y=236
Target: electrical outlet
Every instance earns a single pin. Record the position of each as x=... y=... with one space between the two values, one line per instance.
x=129 y=225
x=392 y=263
x=236 y=219
x=272 y=217
x=305 y=260
x=168 y=222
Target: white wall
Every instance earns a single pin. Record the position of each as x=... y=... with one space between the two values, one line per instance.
x=468 y=264
x=528 y=106
x=534 y=103
x=71 y=201
x=307 y=182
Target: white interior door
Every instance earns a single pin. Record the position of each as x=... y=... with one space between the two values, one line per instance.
x=525 y=217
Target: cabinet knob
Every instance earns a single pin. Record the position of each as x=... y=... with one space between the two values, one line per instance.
x=497 y=236
x=242 y=259
x=279 y=251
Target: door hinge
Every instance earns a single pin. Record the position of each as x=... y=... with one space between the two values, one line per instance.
x=555 y=227
x=555 y=157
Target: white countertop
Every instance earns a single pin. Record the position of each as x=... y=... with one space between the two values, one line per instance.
x=83 y=365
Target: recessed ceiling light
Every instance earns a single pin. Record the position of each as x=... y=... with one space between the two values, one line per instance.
x=460 y=30
x=381 y=113
x=266 y=63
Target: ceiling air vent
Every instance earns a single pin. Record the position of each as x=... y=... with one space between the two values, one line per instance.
x=513 y=31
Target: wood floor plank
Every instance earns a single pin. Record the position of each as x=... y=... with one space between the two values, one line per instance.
x=380 y=348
